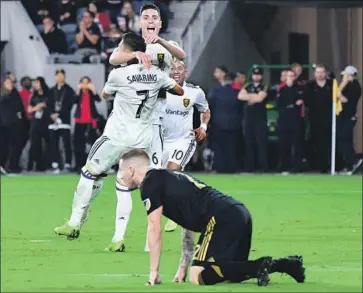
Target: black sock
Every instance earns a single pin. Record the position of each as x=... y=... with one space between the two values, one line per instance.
x=229 y=271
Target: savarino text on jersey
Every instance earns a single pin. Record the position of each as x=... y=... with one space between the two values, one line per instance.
x=143 y=78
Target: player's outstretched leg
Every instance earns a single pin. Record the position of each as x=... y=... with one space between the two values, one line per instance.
x=89 y=186
x=217 y=272
x=123 y=212
x=291 y=265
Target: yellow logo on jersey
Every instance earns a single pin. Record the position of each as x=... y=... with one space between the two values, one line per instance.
x=161 y=61
x=186 y=102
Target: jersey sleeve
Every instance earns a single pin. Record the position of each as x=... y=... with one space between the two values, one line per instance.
x=112 y=85
x=201 y=101
x=151 y=193
x=167 y=83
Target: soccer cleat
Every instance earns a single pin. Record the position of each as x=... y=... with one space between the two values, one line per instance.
x=71 y=232
x=262 y=275
x=170 y=226
x=116 y=247
x=291 y=265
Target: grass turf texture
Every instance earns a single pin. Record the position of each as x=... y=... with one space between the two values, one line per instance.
x=319 y=217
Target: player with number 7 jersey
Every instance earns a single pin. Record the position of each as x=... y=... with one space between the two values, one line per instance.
x=136 y=91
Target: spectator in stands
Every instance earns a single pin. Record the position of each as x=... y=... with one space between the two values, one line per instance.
x=128 y=21
x=220 y=74
x=40 y=9
x=289 y=101
x=297 y=68
x=255 y=121
x=12 y=119
x=60 y=105
x=88 y=35
x=68 y=16
x=54 y=38
x=349 y=94
x=85 y=118
x=113 y=7
x=225 y=125
x=101 y=18
x=113 y=38
x=39 y=134
x=283 y=76
x=26 y=94
x=239 y=81
x=12 y=77
x=318 y=97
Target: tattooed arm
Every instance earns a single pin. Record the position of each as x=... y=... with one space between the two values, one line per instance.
x=186 y=257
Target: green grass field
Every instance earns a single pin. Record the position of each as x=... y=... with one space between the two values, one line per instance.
x=319 y=217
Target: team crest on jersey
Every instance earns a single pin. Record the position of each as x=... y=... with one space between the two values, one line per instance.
x=186 y=102
x=147 y=204
x=161 y=60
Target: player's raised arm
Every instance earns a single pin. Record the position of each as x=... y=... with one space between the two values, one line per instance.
x=173 y=48
x=120 y=56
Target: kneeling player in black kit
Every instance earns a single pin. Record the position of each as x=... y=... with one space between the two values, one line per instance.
x=225 y=225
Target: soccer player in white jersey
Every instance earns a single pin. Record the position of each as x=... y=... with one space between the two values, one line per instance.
x=180 y=140
x=128 y=127
x=161 y=53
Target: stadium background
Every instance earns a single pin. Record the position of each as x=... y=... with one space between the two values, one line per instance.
x=313 y=215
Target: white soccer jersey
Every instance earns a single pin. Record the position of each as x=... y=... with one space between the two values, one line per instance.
x=136 y=90
x=178 y=118
x=162 y=58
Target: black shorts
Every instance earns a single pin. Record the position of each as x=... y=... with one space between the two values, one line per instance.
x=227 y=237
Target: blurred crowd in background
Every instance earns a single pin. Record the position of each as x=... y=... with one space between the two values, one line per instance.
x=84 y=31
x=288 y=131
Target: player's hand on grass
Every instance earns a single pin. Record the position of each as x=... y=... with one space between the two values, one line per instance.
x=154 y=279
x=200 y=134
x=180 y=275
x=143 y=59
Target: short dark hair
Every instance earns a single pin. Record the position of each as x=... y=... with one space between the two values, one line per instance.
x=85 y=77
x=135 y=153
x=134 y=42
x=60 y=71
x=320 y=65
x=223 y=68
x=147 y=6
x=90 y=13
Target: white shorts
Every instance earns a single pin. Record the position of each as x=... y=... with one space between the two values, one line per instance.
x=156 y=146
x=179 y=151
x=104 y=154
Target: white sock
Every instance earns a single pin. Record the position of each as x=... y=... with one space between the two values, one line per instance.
x=123 y=211
x=82 y=197
x=147 y=242
x=96 y=189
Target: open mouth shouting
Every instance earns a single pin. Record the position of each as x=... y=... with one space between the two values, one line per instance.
x=151 y=30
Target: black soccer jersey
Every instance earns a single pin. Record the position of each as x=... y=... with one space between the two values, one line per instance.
x=185 y=200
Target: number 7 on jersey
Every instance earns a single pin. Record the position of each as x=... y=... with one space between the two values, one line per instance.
x=144 y=93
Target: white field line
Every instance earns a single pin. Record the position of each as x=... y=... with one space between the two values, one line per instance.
x=40 y=241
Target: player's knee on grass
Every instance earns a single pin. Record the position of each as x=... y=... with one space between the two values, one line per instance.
x=194 y=274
